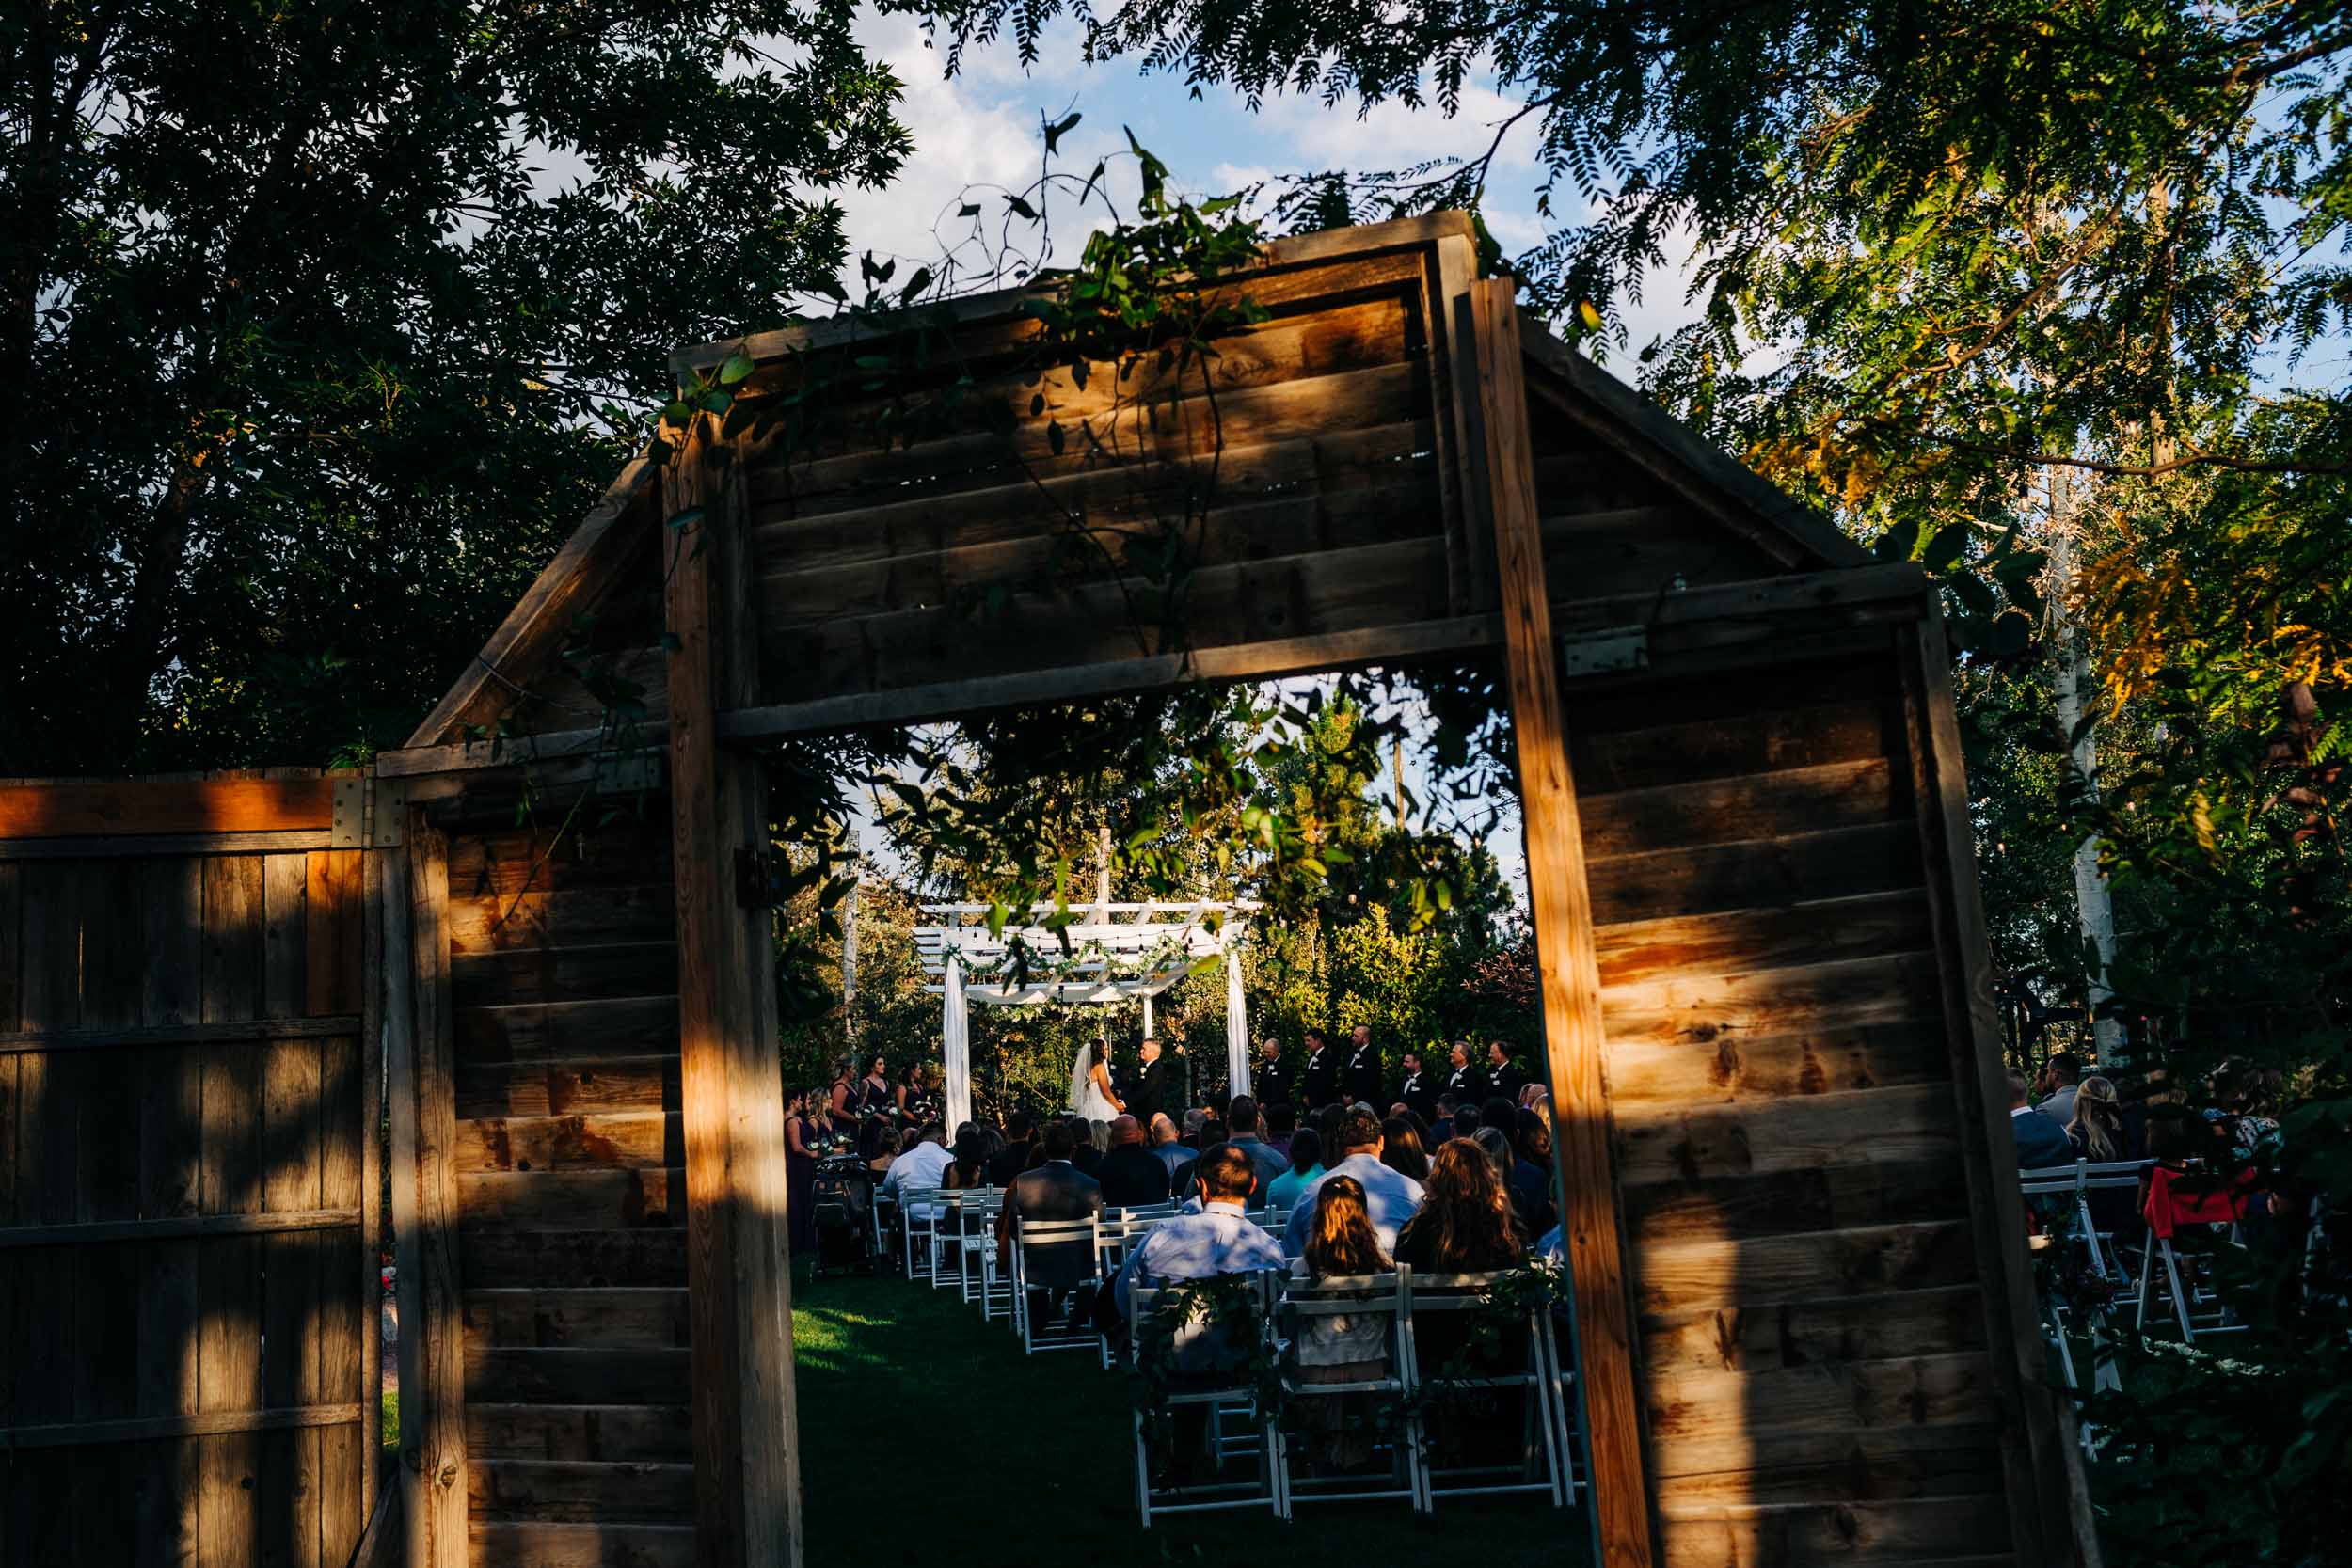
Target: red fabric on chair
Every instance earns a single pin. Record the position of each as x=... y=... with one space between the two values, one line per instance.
x=2167 y=1207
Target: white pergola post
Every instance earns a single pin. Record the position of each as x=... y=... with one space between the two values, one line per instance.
x=955 y=1040
x=1236 y=1025
x=1147 y=1015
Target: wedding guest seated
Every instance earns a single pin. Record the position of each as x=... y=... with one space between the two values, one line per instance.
x=885 y=1151
x=1499 y=1112
x=1464 y=1224
x=923 y=1164
x=1020 y=1138
x=1390 y=1196
x=1166 y=1147
x=1280 y=1121
x=1219 y=1240
x=1129 y=1175
x=2040 y=1141
x=1057 y=1190
x=1467 y=1121
x=1184 y=1185
x=1531 y=1175
x=1535 y=1094
x=1341 y=1348
x=969 y=1167
x=1401 y=1150
x=1086 y=1149
x=2101 y=1130
x=1241 y=1123
x=1194 y=1120
x=1306 y=1165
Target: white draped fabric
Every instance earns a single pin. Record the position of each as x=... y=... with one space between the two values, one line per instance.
x=956 y=1049
x=1158 y=942
x=1236 y=1026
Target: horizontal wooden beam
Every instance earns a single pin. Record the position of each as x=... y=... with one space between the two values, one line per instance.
x=571 y=756
x=14 y=1041
x=210 y=1424
x=158 y=844
x=178 y=1228
x=1293 y=656
x=105 y=807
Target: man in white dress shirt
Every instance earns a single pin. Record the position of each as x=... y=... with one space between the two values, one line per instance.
x=922 y=1165
x=1390 y=1197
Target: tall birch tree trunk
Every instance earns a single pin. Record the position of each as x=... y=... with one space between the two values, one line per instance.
x=2094 y=908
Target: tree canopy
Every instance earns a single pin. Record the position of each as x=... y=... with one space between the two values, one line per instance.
x=321 y=323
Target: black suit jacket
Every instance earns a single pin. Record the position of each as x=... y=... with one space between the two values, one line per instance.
x=1416 y=1093
x=1055 y=1191
x=1273 y=1081
x=1149 y=1098
x=1508 y=1081
x=1130 y=1175
x=1467 y=1085
x=1363 y=1078
x=1321 y=1083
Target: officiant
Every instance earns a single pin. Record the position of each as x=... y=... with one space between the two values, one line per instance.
x=1157 y=1088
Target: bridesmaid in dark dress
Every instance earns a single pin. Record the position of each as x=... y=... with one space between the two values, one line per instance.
x=800 y=1177
x=873 y=1090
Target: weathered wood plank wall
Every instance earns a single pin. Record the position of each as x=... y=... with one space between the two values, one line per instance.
x=188 y=1322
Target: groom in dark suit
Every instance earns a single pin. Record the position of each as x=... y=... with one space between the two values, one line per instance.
x=1154 y=1091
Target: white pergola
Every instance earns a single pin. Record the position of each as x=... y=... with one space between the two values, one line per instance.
x=1114 y=952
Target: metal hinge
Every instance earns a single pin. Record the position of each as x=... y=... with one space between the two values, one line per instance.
x=628 y=772
x=347 y=825
x=1611 y=648
x=388 y=812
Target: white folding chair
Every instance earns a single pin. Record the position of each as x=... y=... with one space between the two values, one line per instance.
x=918 y=1230
x=1526 y=1369
x=1065 y=1236
x=972 y=1232
x=1213 y=1392
x=1309 y=1311
x=2073 y=1185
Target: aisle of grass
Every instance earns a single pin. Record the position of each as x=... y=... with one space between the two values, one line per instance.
x=928 y=1438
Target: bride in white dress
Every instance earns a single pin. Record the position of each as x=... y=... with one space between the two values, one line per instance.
x=1090 y=1084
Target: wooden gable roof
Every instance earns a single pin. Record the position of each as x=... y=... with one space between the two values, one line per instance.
x=1338 y=503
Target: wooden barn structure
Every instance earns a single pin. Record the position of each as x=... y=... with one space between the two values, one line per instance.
x=1803 y=1313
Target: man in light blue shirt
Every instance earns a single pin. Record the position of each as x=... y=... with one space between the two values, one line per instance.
x=1219 y=1240
x=1390 y=1197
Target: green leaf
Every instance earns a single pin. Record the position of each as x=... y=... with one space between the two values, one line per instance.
x=1589 y=314
x=738 y=366
x=1059 y=129
x=1054 y=439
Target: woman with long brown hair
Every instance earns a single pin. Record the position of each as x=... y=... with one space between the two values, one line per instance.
x=1465 y=1225
x=1341 y=1347
x=1401 y=1150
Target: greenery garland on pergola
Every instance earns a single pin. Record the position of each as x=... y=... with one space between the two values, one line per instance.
x=1103 y=952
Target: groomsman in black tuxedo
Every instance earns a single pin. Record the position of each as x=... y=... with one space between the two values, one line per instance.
x=1319 y=1085
x=1363 y=1079
x=1419 y=1095
x=1465 y=1083
x=1273 y=1076
x=1501 y=1076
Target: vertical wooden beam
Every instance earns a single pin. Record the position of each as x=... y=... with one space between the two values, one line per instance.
x=372 y=981
x=2049 y=1502
x=419 y=1041
x=746 y=1442
x=1469 y=546
x=1503 y=476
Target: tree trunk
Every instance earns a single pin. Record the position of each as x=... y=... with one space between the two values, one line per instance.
x=2094 y=908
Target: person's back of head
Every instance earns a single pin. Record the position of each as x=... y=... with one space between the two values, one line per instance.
x=2098 y=1120
x=1061 y=1142
x=1498 y=1150
x=1340 y=1240
x=935 y=1132
x=971 y=1148
x=1163 y=1130
x=1241 y=1116
x=887 y=1143
x=1327 y=1123
x=1467 y=1121
x=1280 y=1119
x=1194 y=1120
x=1359 y=1133
x=1306 y=1150
x=1401 y=1150
x=1531 y=1137
x=1212 y=1133
x=1125 y=1131
x=2065 y=1068
x=1467 y=1210
x=2018 y=1092
x=1225 y=1175
x=1496 y=1111
x=1021 y=1126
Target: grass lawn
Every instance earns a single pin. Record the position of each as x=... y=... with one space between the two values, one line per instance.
x=927 y=1436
